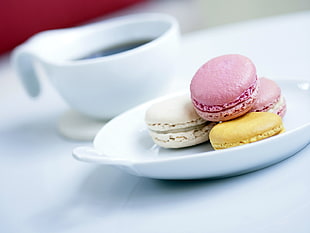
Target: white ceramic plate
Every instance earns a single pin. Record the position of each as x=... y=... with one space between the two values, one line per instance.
x=124 y=142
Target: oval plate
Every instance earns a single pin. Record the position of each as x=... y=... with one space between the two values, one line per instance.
x=124 y=142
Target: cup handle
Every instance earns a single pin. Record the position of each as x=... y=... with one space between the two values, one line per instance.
x=23 y=64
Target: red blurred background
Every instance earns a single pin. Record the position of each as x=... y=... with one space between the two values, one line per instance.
x=20 y=19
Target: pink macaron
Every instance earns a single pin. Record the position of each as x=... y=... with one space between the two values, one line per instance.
x=224 y=88
x=269 y=98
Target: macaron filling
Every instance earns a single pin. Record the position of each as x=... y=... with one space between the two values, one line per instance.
x=246 y=95
x=178 y=130
x=279 y=107
x=176 y=126
x=229 y=113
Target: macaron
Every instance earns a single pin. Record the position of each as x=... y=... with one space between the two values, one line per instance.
x=224 y=88
x=251 y=127
x=174 y=123
x=269 y=98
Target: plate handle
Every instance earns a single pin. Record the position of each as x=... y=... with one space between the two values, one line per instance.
x=90 y=154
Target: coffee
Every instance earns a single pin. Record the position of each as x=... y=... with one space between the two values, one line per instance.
x=119 y=48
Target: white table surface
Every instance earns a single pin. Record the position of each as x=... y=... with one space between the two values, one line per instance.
x=43 y=189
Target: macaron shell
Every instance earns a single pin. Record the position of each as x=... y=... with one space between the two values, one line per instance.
x=252 y=127
x=223 y=79
x=174 y=113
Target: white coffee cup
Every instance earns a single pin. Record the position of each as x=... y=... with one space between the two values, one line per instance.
x=105 y=86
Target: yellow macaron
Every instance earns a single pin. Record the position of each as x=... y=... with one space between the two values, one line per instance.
x=248 y=128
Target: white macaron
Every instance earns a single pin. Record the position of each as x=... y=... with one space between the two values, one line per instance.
x=174 y=123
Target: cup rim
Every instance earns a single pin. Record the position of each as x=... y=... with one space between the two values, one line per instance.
x=131 y=19
x=112 y=22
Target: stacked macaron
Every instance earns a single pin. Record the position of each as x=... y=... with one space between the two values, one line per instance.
x=225 y=90
x=270 y=98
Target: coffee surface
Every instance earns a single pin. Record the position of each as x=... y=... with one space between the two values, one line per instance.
x=119 y=48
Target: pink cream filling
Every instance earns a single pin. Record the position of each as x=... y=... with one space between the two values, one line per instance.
x=217 y=108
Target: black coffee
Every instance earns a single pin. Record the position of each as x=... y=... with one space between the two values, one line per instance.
x=115 y=49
